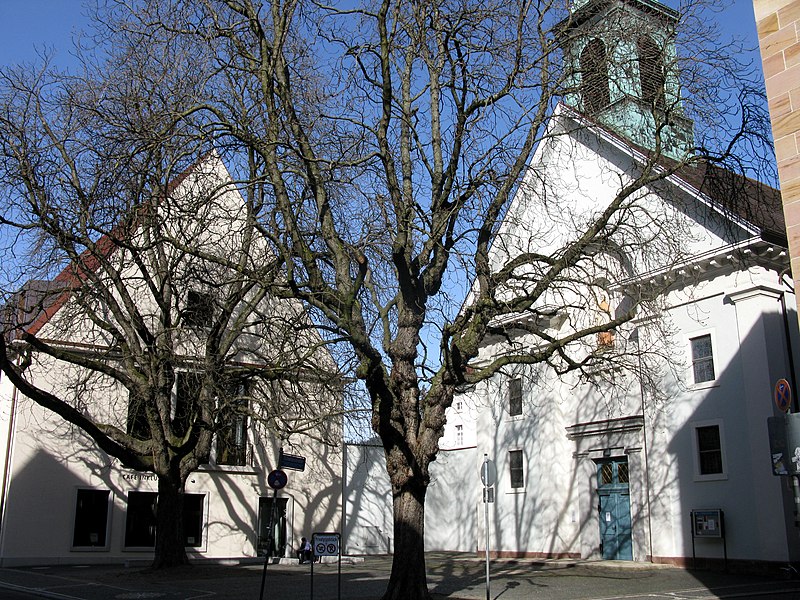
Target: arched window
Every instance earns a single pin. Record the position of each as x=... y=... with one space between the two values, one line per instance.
x=651 y=71
x=594 y=76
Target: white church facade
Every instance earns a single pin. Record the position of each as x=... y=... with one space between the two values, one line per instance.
x=665 y=458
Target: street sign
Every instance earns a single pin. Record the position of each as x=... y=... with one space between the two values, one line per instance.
x=325 y=544
x=291 y=461
x=488 y=472
x=277 y=479
x=783 y=395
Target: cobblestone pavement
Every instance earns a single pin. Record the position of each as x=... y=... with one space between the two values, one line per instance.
x=450 y=576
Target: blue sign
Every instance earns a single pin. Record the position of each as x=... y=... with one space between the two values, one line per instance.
x=277 y=479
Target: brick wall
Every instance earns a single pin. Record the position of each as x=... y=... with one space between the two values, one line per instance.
x=778 y=24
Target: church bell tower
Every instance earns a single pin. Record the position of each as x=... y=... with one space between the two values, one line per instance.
x=622 y=71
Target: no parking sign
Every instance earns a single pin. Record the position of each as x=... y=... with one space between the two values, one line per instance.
x=326 y=544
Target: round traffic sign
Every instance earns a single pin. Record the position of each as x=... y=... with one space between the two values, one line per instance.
x=277 y=479
x=783 y=395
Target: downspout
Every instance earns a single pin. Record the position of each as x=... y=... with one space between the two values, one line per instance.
x=644 y=436
x=787 y=334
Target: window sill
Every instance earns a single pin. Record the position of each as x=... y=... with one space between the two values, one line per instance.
x=713 y=477
x=245 y=470
x=89 y=549
x=705 y=385
x=515 y=491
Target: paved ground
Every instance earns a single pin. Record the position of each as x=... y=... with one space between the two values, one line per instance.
x=451 y=576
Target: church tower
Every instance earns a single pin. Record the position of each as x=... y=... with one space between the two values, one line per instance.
x=622 y=71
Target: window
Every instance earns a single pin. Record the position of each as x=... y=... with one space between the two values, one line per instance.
x=594 y=76
x=459 y=405
x=702 y=358
x=516 y=469
x=91 y=519
x=199 y=311
x=140 y=520
x=515 y=397
x=651 y=71
x=137 y=418
x=709 y=452
x=187 y=389
x=231 y=438
x=193 y=519
x=459 y=435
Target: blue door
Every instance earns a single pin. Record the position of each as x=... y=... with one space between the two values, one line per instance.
x=615 y=510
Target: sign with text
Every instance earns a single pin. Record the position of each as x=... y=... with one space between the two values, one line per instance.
x=294 y=462
x=325 y=544
x=707 y=523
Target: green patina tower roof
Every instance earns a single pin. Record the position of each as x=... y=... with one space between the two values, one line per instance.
x=622 y=71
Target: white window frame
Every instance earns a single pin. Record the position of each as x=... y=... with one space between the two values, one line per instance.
x=690 y=359
x=695 y=425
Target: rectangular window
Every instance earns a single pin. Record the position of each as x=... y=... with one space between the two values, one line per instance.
x=91 y=519
x=515 y=397
x=187 y=390
x=702 y=358
x=137 y=418
x=459 y=435
x=709 y=450
x=193 y=519
x=232 y=428
x=140 y=520
x=516 y=469
x=199 y=311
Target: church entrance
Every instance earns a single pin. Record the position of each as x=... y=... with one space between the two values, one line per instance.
x=614 y=506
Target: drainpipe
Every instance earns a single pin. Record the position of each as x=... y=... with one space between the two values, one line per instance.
x=644 y=436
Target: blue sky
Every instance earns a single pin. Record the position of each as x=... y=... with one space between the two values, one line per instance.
x=28 y=24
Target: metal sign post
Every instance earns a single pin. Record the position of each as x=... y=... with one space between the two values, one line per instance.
x=488 y=478
x=326 y=543
x=276 y=479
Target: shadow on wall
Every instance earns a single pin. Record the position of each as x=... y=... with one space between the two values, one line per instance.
x=722 y=456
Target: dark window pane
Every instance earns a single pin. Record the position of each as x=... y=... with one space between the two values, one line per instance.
x=515 y=397
x=91 y=518
x=199 y=311
x=702 y=359
x=140 y=520
x=594 y=76
x=710 y=450
x=193 y=519
x=231 y=438
x=517 y=469
x=187 y=391
x=651 y=71
x=137 y=418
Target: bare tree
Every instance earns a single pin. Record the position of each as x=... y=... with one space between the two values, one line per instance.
x=159 y=338
x=383 y=145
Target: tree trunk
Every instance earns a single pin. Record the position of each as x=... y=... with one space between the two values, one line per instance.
x=170 y=548
x=408 y=580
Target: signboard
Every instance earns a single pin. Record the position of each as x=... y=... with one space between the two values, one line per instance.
x=277 y=479
x=783 y=395
x=294 y=462
x=784 y=444
x=707 y=523
x=325 y=544
x=488 y=472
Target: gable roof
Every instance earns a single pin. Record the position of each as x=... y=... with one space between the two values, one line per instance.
x=735 y=197
x=43 y=299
